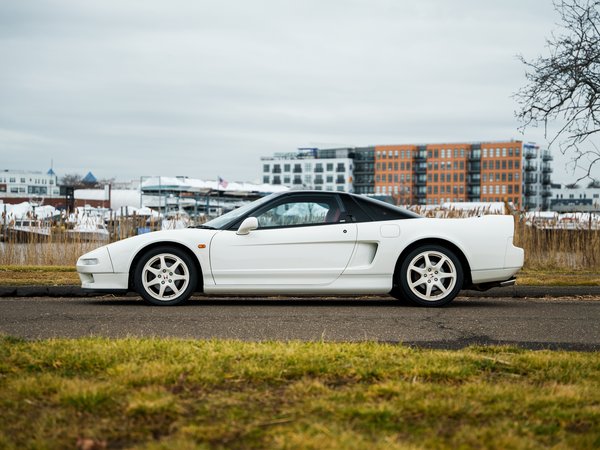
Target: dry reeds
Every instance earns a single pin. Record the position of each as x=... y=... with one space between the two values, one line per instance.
x=555 y=249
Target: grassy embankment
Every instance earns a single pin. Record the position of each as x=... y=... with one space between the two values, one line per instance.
x=167 y=393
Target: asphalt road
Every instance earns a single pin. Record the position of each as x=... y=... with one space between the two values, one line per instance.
x=566 y=323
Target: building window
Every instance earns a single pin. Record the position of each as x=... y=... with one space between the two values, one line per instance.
x=266 y=179
x=485 y=152
x=286 y=167
x=266 y=168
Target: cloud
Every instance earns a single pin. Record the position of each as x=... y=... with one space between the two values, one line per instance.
x=201 y=88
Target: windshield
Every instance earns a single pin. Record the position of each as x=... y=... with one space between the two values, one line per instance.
x=221 y=221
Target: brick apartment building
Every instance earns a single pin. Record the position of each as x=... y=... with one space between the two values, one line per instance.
x=430 y=174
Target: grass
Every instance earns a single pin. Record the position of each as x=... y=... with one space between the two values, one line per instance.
x=169 y=393
x=558 y=277
x=38 y=276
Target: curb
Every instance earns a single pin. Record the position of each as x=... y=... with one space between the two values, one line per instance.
x=512 y=291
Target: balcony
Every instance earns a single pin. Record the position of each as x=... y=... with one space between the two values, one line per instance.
x=530 y=204
x=546 y=169
x=530 y=191
x=546 y=179
x=297 y=181
x=474 y=155
x=420 y=167
x=529 y=167
x=474 y=167
x=297 y=170
x=546 y=192
x=530 y=153
x=530 y=178
x=421 y=155
x=276 y=170
x=318 y=181
x=547 y=156
x=474 y=180
x=318 y=170
x=421 y=180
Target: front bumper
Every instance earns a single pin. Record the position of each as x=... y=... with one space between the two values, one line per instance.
x=95 y=270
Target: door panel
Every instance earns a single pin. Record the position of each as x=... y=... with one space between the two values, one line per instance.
x=316 y=254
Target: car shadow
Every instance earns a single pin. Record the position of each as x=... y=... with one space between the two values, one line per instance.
x=375 y=301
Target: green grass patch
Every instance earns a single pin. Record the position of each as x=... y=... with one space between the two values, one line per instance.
x=38 y=276
x=171 y=393
x=557 y=277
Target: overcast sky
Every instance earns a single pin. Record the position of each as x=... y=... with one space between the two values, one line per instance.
x=204 y=88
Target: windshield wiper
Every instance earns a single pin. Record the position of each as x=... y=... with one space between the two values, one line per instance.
x=204 y=227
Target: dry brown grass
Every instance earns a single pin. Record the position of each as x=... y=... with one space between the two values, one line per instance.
x=546 y=250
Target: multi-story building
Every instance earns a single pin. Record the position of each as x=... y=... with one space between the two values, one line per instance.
x=306 y=170
x=22 y=185
x=464 y=172
x=423 y=174
x=537 y=177
x=574 y=198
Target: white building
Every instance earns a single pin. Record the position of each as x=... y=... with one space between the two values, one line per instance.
x=304 y=170
x=23 y=183
x=537 y=172
x=569 y=198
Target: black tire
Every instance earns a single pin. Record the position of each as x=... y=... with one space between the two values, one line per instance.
x=160 y=286
x=430 y=275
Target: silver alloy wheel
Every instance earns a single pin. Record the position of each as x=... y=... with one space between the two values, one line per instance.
x=165 y=276
x=431 y=275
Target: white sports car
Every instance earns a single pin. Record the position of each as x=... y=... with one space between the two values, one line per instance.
x=311 y=243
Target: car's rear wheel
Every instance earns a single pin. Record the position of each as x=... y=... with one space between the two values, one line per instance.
x=430 y=275
x=165 y=276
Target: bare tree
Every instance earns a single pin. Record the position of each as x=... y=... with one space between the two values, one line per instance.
x=71 y=179
x=565 y=85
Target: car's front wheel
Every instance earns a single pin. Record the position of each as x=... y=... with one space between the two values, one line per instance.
x=430 y=275
x=165 y=276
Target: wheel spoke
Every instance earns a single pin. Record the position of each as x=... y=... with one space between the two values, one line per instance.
x=446 y=275
x=440 y=263
x=441 y=287
x=163 y=263
x=174 y=266
x=419 y=282
x=176 y=277
x=429 y=288
x=427 y=260
x=419 y=270
x=161 y=293
x=152 y=282
x=152 y=270
x=174 y=288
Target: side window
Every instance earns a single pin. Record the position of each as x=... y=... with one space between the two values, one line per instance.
x=298 y=213
x=382 y=211
x=293 y=214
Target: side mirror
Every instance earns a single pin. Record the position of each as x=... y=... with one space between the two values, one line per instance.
x=249 y=224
